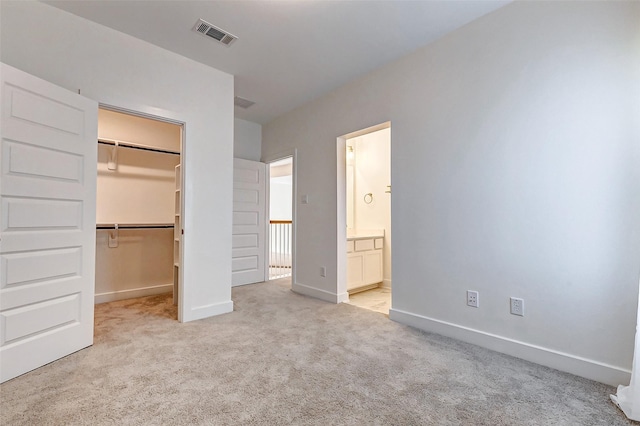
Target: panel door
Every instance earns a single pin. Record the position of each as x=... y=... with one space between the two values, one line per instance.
x=249 y=222
x=47 y=247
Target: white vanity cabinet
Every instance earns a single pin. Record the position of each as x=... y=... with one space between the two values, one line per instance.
x=364 y=263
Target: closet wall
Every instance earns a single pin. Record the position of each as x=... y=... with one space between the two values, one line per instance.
x=141 y=190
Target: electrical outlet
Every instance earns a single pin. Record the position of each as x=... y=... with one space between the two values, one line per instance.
x=323 y=271
x=472 y=299
x=517 y=306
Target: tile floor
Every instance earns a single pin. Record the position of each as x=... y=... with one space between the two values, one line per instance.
x=377 y=299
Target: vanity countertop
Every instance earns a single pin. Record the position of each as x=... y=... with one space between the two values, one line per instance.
x=363 y=234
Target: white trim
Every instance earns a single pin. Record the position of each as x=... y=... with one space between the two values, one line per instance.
x=205 y=311
x=112 y=296
x=573 y=364
x=381 y=126
x=317 y=293
x=341 y=219
x=386 y=283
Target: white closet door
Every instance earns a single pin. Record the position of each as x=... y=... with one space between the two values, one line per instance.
x=249 y=224
x=47 y=247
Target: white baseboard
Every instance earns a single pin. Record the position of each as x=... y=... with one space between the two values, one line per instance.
x=579 y=366
x=112 y=296
x=206 y=311
x=386 y=283
x=327 y=296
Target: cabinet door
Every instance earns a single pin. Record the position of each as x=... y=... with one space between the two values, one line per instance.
x=355 y=270
x=372 y=267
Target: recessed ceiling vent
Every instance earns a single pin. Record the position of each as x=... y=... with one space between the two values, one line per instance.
x=206 y=29
x=242 y=102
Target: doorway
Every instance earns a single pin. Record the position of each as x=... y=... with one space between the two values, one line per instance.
x=280 y=218
x=366 y=166
x=281 y=209
x=139 y=208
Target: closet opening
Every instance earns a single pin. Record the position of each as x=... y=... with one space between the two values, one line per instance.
x=139 y=209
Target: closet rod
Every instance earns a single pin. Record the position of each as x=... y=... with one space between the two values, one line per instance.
x=160 y=226
x=133 y=146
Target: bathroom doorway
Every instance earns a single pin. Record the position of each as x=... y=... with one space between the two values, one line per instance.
x=367 y=214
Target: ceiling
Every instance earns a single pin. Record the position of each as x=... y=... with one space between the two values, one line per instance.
x=287 y=52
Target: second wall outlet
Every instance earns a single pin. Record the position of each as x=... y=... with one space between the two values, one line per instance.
x=323 y=271
x=472 y=298
x=517 y=306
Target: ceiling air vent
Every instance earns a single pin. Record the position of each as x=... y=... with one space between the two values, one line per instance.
x=242 y=102
x=206 y=29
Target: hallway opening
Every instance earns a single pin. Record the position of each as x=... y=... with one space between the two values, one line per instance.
x=280 y=218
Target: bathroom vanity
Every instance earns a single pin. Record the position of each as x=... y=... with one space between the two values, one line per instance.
x=364 y=259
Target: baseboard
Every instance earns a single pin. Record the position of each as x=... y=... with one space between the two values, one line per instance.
x=327 y=296
x=112 y=296
x=579 y=366
x=386 y=283
x=206 y=311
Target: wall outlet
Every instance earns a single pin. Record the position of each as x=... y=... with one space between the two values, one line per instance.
x=323 y=271
x=517 y=306
x=472 y=299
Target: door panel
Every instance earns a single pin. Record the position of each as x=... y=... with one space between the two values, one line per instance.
x=249 y=236
x=47 y=248
x=42 y=162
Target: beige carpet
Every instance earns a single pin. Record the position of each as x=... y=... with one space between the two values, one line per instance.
x=282 y=358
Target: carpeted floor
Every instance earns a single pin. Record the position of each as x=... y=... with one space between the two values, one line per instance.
x=281 y=358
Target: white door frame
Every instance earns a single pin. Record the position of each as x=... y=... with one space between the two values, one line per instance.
x=293 y=154
x=341 y=204
x=183 y=149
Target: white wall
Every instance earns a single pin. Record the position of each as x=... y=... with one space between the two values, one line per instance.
x=372 y=174
x=247 y=140
x=119 y=70
x=515 y=173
